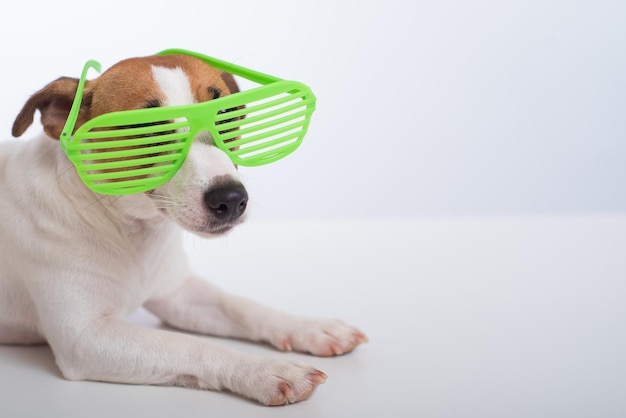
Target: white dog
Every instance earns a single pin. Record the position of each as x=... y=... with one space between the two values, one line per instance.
x=74 y=264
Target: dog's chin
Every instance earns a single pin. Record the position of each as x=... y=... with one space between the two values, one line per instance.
x=201 y=228
x=209 y=230
x=213 y=232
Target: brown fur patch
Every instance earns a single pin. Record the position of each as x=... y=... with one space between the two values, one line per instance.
x=127 y=85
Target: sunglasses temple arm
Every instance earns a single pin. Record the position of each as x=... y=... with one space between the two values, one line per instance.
x=73 y=115
x=229 y=67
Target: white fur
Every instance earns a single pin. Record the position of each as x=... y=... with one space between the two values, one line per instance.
x=74 y=264
x=174 y=85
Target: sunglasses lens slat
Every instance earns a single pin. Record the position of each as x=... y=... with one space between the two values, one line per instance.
x=91 y=167
x=267 y=156
x=129 y=152
x=258 y=106
x=270 y=145
x=131 y=185
x=229 y=124
x=269 y=129
x=267 y=138
x=130 y=173
x=149 y=129
x=265 y=126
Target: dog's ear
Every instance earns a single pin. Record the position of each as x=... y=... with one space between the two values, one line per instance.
x=230 y=82
x=54 y=102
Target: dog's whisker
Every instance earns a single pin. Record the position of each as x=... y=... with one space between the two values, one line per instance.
x=63 y=173
x=113 y=201
x=167 y=202
x=98 y=199
x=161 y=198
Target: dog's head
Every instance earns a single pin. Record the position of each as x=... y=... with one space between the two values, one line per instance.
x=206 y=196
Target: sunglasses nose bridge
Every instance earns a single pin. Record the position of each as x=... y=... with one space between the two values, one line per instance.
x=203 y=131
x=202 y=126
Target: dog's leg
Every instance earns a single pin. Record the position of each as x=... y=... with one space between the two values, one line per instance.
x=200 y=307
x=81 y=314
x=113 y=350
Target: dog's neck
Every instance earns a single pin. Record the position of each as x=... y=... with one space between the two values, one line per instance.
x=133 y=213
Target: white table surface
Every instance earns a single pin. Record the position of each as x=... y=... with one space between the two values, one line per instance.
x=512 y=317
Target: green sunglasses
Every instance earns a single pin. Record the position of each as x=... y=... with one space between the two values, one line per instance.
x=134 y=151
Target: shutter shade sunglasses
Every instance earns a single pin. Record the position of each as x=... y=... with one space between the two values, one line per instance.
x=134 y=151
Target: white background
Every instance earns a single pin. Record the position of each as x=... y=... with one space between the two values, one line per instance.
x=425 y=108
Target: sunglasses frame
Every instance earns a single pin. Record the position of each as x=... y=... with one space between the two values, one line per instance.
x=269 y=135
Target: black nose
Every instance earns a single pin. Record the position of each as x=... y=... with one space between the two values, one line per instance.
x=227 y=203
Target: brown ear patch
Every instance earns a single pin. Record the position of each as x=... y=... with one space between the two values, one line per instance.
x=54 y=102
x=230 y=82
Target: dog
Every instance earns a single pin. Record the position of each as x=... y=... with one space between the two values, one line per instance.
x=74 y=263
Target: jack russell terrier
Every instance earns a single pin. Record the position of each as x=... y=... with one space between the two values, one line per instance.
x=75 y=263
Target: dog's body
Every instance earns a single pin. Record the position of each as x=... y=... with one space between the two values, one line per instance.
x=74 y=264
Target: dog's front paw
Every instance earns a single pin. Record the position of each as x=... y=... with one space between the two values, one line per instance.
x=320 y=337
x=279 y=382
